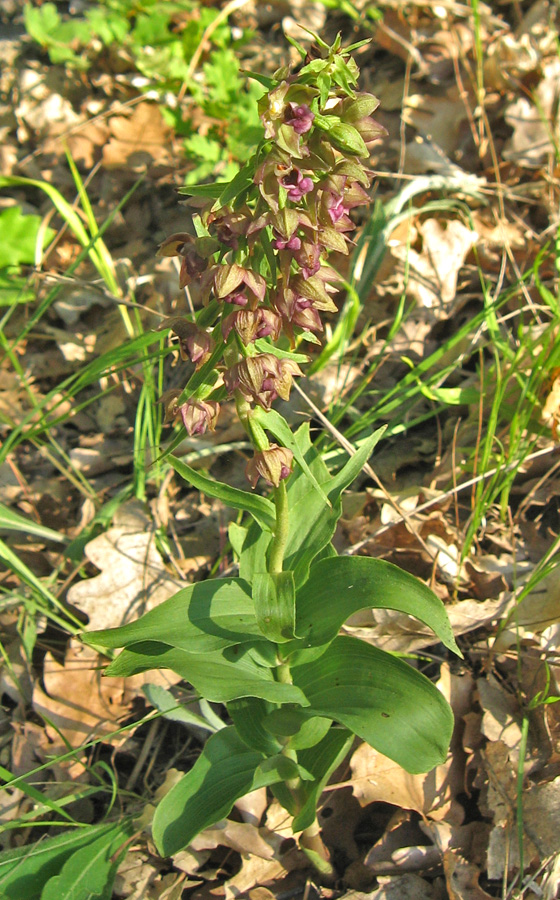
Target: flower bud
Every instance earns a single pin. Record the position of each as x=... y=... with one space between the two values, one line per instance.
x=274 y=465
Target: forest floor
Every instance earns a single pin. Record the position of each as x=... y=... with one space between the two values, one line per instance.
x=451 y=341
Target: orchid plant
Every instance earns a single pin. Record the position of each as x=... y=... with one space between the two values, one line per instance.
x=266 y=643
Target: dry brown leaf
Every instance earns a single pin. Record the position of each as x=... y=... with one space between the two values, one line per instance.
x=433 y=273
x=376 y=778
x=535 y=124
x=462 y=878
x=133 y=578
x=541 y=827
x=400 y=887
x=260 y=849
x=77 y=702
x=500 y=711
x=440 y=119
x=252 y=806
x=398 y=633
x=138 y=140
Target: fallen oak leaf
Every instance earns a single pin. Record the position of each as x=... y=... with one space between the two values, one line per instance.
x=133 y=577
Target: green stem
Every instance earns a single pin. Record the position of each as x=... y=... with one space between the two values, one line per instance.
x=280 y=540
x=312 y=845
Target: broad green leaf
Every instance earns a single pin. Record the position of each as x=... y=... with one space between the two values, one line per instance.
x=260 y=508
x=207 y=615
x=25 y=870
x=354 y=466
x=274 y=596
x=19 y=237
x=218 y=676
x=248 y=715
x=90 y=872
x=237 y=534
x=303 y=729
x=320 y=761
x=165 y=702
x=254 y=552
x=225 y=771
x=342 y=585
x=282 y=769
x=12 y=521
x=381 y=699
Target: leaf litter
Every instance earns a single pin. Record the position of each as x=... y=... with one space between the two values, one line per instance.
x=455 y=832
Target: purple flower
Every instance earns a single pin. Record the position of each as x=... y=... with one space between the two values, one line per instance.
x=301 y=118
x=336 y=208
x=291 y=243
x=297 y=185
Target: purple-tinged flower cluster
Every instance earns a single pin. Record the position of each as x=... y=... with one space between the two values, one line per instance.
x=260 y=268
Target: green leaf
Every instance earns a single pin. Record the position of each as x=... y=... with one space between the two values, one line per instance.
x=320 y=761
x=274 y=596
x=12 y=521
x=342 y=585
x=260 y=508
x=253 y=554
x=248 y=714
x=90 y=872
x=205 y=190
x=225 y=771
x=303 y=729
x=238 y=185
x=202 y=617
x=165 y=702
x=383 y=700
x=282 y=769
x=354 y=466
x=218 y=676
x=263 y=345
x=19 y=235
x=265 y=80
x=25 y=870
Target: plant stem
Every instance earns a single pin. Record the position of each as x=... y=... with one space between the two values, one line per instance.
x=312 y=845
x=280 y=540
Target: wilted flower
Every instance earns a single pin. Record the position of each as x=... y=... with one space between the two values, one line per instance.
x=300 y=117
x=274 y=465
